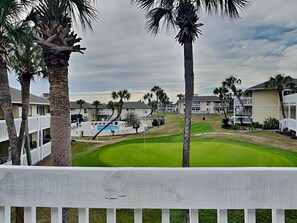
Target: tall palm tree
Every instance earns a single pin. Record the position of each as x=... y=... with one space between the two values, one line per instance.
x=11 y=31
x=222 y=92
x=96 y=103
x=230 y=83
x=121 y=95
x=58 y=40
x=183 y=14
x=26 y=60
x=180 y=96
x=80 y=103
x=281 y=82
x=164 y=100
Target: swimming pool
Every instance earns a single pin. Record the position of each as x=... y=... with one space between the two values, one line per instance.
x=108 y=128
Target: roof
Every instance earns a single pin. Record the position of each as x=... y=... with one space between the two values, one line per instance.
x=126 y=105
x=74 y=105
x=203 y=98
x=262 y=86
x=136 y=105
x=16 y=98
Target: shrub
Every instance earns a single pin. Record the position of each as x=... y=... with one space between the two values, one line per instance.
x=271 y=123
x=225 y=122
x=75 y=117
x=235 y=126
x=155 y=122
x=256 y=125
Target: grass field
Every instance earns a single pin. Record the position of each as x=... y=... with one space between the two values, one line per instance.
x=166 y=151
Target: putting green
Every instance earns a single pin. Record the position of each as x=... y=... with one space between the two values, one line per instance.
x=204 y=153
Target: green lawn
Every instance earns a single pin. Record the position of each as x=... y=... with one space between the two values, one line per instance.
x=167 y=152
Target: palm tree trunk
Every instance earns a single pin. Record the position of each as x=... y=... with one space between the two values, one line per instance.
x=57 y=65
x=281 y=100
x=5 y=102
x=244 y=109
x=189 y=91
x=25 y=92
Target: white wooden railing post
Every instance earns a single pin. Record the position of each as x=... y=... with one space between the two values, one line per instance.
x=165 y=216
x=83 y=215
x=222 y=216
x=56 y=215
x=137 y=215
x=29 y=214
x=111 y=215
x=249 y=216
x=5 y=214
x=278 y=216
x=194 y=216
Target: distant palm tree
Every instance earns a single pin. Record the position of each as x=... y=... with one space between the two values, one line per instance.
x=122 y=95
x=164 y=100
x=111 y=105
x=148 y=97
x=222 y=92
x=281 y=82
x=96 y=104
x=80 y=102
x=183 y=14
x=180 y=96
x=230 y=83
x=55 y=35
x=157 y=91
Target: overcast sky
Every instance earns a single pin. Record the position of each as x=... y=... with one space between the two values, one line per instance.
x=121 y=54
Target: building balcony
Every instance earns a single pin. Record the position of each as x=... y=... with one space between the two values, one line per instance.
x=290 y=99
x=247 y=101
x=35 y=123
x=222 y=189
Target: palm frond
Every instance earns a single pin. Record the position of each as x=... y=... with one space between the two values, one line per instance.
x=154 y=18
x=145 y=5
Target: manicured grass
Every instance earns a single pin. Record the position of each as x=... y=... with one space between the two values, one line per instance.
x=204 y=153
x=167 y=152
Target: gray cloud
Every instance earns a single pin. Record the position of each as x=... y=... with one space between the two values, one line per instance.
x=121 y=54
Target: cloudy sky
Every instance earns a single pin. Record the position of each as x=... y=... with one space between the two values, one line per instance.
x=121 y=54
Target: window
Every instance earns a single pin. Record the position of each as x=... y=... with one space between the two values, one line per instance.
x=85 y=110
x=208 y=103
x=40 y=110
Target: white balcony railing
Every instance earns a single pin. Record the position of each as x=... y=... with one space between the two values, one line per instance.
x=247 y=101
x=147 y=188
x=290 y=99
x=35 y=123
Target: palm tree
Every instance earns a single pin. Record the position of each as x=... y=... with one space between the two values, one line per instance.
x=164 y=99
x=157 y=90
x=111 y=105
x=27 y=62
x=96 y=103
x=222 y=92
x=183 y=14
x=149 y=96
x=124 y=94
x=230 y=83
x=80 y=102
x=280 y=82
x=180 y=96
x=58 y=40
x=11 y=31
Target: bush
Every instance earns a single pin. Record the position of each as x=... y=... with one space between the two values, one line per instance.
x=271 y=123
x=235 y=126
x=75 y=117
x=256 y=125
x=225 y=122
x=155 y=122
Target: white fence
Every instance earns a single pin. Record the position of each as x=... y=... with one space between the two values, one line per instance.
x=147 y=188
x=35 y=123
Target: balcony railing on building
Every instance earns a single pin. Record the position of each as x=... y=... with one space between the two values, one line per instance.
x=222 y=189
x=40 y=146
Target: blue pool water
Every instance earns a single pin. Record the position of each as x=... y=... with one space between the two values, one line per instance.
x=108 y=128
